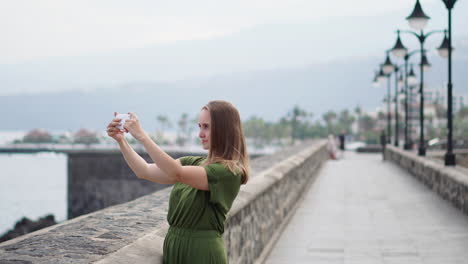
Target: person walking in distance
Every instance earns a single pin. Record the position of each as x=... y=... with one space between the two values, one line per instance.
x=204 y=187
x=331 y=147
x=383 y=142
x=342 y=138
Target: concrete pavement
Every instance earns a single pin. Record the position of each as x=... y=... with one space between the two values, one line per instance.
x=361 y=210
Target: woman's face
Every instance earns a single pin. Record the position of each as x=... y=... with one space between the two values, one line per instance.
x=204 y=123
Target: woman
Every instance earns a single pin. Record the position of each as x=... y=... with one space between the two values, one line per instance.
x=331 y=146
x=204 y=188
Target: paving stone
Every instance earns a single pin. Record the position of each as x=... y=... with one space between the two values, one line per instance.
x=363 y=210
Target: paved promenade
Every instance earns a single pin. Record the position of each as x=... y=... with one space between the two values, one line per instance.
x=361 y=210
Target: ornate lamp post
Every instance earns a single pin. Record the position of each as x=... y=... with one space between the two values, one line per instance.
x=418 y=20
x=447 y=49
x=381 y=77
x=397 y=82
x=388 y=68
x=411 y=81
x=400 y=50
x=412 y=91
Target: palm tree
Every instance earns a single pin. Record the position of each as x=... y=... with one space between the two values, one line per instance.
x=329 y=118
x=163 y=124
x=295 y=116
x=183 y=131
x=346 y=120
x=358 y=112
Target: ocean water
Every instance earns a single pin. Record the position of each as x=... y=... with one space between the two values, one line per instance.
x=31 y=185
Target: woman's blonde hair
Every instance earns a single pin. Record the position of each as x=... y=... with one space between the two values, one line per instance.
x=227 y=138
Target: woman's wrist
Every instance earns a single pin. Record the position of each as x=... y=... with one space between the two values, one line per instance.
x=121 y=141
x=145 y=138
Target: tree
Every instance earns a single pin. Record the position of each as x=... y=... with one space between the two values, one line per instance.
x=345 y=120
x=183 y=130
x=255 y=128
x=163 y=123
x=38 y=136
x=295 y=119
x=83 y=136
x=463 y=112
x=358 y=112
x=329 y=118
x=460 y=124
x=440 y=110
x=367 y=123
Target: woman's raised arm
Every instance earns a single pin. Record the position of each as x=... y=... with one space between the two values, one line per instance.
x=166 y=168
x=141 y=168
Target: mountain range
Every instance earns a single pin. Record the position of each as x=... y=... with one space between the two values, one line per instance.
x=269 y=94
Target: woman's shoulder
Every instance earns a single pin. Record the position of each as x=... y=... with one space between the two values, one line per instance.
x=191 y=160
x=223 y=169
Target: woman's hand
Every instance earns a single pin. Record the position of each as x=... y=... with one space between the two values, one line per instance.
x=133 y=126
x=113 y=131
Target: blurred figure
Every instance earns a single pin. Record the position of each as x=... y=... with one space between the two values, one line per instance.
x=342 y=138
x=383 y=142
x=331 y=146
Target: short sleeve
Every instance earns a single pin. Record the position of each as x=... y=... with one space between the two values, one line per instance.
x=223 y=185
x=189 y=160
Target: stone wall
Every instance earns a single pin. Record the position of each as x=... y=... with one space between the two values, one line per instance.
x=134 y=232
x=451 y=183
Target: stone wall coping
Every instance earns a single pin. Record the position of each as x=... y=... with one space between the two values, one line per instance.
x=455 y=173
x=265 y=179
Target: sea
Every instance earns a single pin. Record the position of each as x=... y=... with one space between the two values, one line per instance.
x=31 y=185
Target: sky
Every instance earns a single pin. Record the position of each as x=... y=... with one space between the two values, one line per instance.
x=53 y=28
x=211 y=46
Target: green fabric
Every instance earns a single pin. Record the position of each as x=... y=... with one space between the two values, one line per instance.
x=197 y=217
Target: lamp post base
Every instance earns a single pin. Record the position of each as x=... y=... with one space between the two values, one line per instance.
x=407 y=146
x=450 y=159
x=396 y=144
x=422 y=151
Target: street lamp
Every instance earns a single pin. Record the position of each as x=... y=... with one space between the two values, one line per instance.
x=444 y=47
x=425 y=63
x=411 y=92
x=412 y=80
x=396 y=69
x=449 y=156
x=400 y=50
x=418 y=20
x=388 y=67
x=375 y=81
x=397 y=130
x=381 y=77
x=401 y=82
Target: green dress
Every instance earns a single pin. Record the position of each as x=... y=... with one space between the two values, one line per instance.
x=197 y=217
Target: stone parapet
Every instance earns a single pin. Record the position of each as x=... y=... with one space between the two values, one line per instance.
x=134 y=232
x=451 y=183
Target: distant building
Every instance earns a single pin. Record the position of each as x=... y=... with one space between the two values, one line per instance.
x=439 y=96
